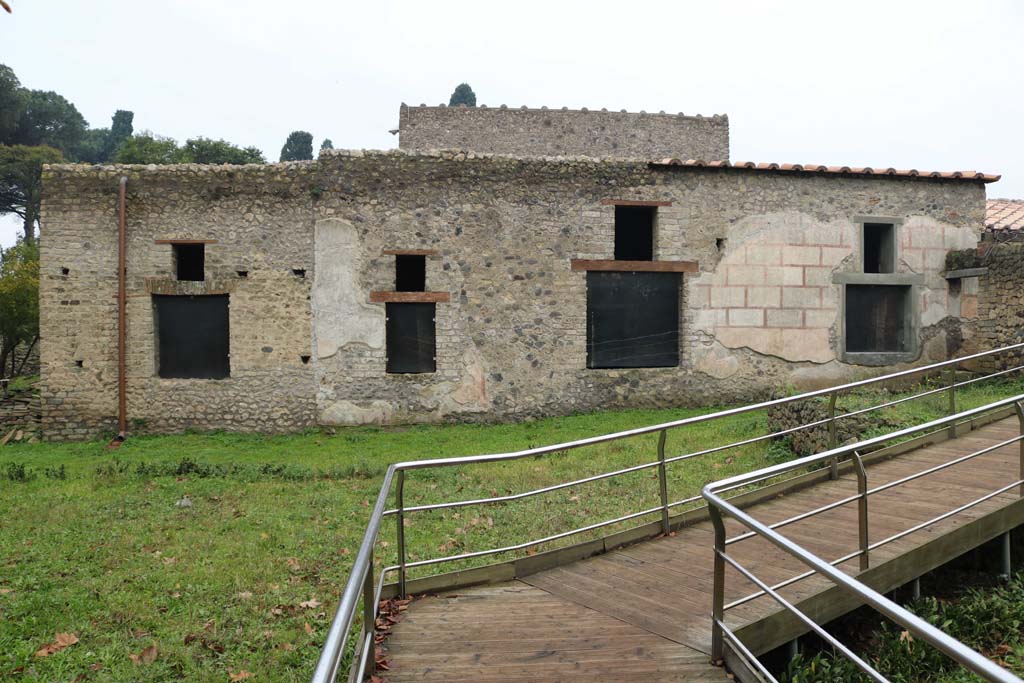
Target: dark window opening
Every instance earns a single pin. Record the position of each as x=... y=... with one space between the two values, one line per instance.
x=304 y=359
x=410 y=338
x=632 y=320
x=65 y=271
x=634 y=233
x=720 y=244
x=299 y=272
x=192 y=336
x=190 y=262
x=879 y=248
x=410 y=273
x=878 y=318
x=242 y=273
x=79 y=364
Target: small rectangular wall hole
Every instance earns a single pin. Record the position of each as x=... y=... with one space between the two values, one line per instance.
x=878 y=318
x=634 y=233
x=192 y=336
x=190 y=262
x=879 y=248
x=410 y=273
x=410 y=338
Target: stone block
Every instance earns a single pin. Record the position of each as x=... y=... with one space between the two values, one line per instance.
x=764 y=254
x=746 y=275
x=764 y=297
x=801 y=297
x=785 y=317
x=727 y=297
x=746 y=317
x=820 y=318
x=801 y=256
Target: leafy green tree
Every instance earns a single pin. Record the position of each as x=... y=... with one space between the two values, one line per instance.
x=326 y=144
x=206 y=151
x=463 y=94
x=19 y=298
x=11 y=104
x=21 y=184
x=147 y=148
x=49 y=119
x=298 y=146
x=120 y=130
x=91 y=148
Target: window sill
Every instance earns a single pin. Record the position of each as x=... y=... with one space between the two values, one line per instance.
x=410 y=297
x=903 y=279
x=633 y=266
x=878 y=358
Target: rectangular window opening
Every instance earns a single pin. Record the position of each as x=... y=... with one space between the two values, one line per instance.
x=410 y=273
x=879 y=248
x=878 y=318
x=410 y=337
x=192 y=336
x=634 y=233
x=632 y=320
x=190 y=262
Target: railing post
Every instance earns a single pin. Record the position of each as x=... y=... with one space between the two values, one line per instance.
x=718 y=590
x=862 y=509
x=369 y=616
x=400 y=517
x=1019 y=407
x=663 y=482
x=833 y=467
x=952 y=401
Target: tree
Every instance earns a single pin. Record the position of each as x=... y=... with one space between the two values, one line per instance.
x=91 y=148
x=21 y=184
x=120 y=130
x=206 y=151
x=147 y=148
x=326 y=144
x=11 y=104
x=49 y=119
x=19 y=298
x=463 y=95
x=298 y=146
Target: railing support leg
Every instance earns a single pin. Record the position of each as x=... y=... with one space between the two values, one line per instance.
x=833 y=467
x=400 y=521
x=1006 y=563
x=663 y=482
x=369 y=615
x=862 y=509
x=1019 y=407
x=718 y=590
x=951 y=429
x=794 y=649
x=915 y=589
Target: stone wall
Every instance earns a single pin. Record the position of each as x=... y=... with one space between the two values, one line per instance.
x=502 y=230
x=561 y=132
x=1001 y=300
x=261 y=218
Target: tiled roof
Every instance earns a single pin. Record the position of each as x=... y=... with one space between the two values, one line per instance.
x=829 y=170
x=1004 y=214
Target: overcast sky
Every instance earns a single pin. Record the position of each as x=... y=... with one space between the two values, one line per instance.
x=933 y=85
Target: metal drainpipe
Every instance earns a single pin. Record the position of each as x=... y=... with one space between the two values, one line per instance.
x=122 y=402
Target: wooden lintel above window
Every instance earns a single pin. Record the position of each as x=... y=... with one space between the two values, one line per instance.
x=634 y=202
x=410 y=297
x=635 y=266
x=411 y=252
x=172 y=241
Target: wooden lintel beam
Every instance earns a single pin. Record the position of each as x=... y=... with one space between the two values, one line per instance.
x=172 y=241
x=411 y=252
x=634 y=202
x=635 y=266
x=410 y=297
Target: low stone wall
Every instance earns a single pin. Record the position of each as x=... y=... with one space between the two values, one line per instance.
x=816 y=439
x=1001 y=301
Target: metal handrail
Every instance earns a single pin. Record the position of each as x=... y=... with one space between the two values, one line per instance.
x=719 y=505
x=361 y=578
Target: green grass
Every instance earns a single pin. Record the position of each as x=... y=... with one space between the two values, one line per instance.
x=22 y=383
x=93 y=543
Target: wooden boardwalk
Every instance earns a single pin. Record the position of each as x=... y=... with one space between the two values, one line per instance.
x=641 y=613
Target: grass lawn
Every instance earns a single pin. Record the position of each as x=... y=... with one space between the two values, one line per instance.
x=244 y=580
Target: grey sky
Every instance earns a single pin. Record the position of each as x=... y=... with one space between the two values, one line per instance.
x=933 y=85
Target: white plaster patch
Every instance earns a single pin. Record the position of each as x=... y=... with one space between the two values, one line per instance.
x=340 y=314
x=347 y=413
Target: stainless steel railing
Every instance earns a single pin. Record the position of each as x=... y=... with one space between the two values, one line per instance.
x=718 y=507
x=361 y=581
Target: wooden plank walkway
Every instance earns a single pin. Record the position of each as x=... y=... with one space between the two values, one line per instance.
x=642 y=612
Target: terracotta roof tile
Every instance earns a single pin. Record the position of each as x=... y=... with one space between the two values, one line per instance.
x=1004 y=214
x=830 y=170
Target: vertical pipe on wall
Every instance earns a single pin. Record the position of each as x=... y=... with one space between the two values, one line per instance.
x=122 y=401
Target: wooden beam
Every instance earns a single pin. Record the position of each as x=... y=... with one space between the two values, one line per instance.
x=411 y=252
x=173 y=241
x=410 y=297
x=634 y=266
x=633 y=202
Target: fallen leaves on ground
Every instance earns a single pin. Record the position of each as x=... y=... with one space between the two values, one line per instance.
x=240 y=676
x=60 y=642
x=312 y=603
x=145 y=657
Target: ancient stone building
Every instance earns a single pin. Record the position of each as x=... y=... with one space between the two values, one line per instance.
x=403 y=286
